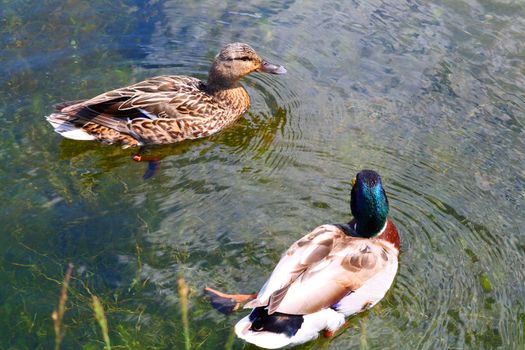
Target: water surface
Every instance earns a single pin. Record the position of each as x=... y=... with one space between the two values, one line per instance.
x=428 y=93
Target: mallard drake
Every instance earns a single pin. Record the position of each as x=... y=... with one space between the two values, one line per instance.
x=334 y=271
x=166 y=109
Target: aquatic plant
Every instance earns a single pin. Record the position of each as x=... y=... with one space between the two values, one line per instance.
x=58 y=315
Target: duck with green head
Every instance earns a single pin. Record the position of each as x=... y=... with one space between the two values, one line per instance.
x=334 y=271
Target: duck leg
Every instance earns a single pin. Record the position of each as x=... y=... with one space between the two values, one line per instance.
x=153 y=163
x=227 y=303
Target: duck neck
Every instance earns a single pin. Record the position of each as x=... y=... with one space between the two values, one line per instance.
x=219 y=84
x=355 y=230
x=228 y=90
x=220 y=79
x=235 y=99
x=370 y=229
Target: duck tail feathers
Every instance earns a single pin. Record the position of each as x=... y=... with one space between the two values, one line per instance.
x=281 y=330
x=62 y=123
x=263 y=339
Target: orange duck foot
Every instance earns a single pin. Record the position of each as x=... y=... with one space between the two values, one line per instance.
x=153 y=164
x=226 y=303
x=329 y=334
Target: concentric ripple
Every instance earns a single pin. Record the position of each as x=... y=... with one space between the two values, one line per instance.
x=428 y=93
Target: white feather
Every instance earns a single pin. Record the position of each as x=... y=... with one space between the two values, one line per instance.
x=67 y=129
x=281 y=273
x=265 y=340
x=76 y=134
x=370 y=293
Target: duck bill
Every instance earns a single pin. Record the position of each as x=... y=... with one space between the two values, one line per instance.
x=271 y=68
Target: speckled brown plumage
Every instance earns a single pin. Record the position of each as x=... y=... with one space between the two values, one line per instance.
x=166 y=109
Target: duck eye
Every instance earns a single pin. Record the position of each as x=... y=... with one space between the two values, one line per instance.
x=244 y=58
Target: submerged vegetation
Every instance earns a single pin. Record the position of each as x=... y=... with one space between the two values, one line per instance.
x=58 y=315
x=429 y=93
x=121 y=335
x=100 y=316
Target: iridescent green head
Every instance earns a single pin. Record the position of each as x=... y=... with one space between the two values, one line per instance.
x=368 y=203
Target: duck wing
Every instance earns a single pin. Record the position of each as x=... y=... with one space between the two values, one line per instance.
x=169 y=97
x=309 y=250
x=317 y=272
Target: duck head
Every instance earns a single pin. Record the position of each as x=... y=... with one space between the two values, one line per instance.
x=369 y=203
x=235 y=61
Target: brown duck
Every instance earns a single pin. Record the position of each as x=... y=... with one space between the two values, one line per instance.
x=166 y=109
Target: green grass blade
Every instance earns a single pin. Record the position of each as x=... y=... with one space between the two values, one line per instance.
x=58 y=315
x=100 y=316
x=183 y=295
